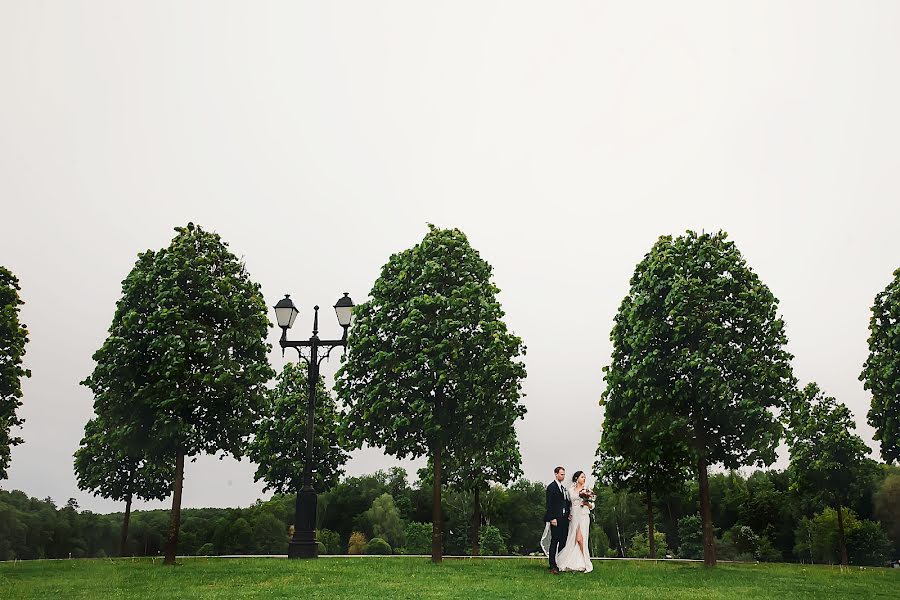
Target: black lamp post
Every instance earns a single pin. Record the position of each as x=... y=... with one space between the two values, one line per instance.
x=304 y=544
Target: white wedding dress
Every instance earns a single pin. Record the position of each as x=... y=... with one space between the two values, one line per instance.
x=571 y=558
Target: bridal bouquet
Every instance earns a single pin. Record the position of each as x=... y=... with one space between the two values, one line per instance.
x=587 y=498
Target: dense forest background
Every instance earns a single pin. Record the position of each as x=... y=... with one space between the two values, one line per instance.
x=757 y=517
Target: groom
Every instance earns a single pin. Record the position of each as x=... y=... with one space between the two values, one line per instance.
x=559 y=507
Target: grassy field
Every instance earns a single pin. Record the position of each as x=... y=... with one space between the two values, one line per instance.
x=405 y=577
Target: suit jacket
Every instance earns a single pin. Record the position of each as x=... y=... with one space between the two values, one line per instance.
x=558 y=506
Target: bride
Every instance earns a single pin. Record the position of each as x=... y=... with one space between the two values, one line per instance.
x=576 y=555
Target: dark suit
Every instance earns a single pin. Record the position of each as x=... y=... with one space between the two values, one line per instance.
x=559 y=506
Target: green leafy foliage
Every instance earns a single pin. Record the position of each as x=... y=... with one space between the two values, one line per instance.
x=418 y=538
x=690 y=532
x=598 y=541
x=386 y=522
x=32 y=528
x=491 y=542
x=184 y=368
x=279 y=448
x=331 y=540
x=431 y=365
x=818 y=539
x=107 y=465
x=829 y=463
x=13 y=337
x=640 y=547
x=887 y=508
x=698 y=360
x=472 y=469
x=881 y=371
x=378 y=546
x=645 y=478
x=104 y=466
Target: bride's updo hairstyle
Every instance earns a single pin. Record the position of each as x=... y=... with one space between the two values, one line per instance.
x=576 y=476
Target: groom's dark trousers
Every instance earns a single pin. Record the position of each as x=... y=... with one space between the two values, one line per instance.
x=558 y=507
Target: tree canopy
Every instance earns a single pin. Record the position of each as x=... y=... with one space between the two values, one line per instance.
x=13 y=337
x=881 y=371
x=279 y=448
x=184 y=368
x=430 y=357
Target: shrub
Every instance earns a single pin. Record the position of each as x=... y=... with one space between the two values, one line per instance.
x=418 y=538
x=690 y=532
x=738 y=543
x=598 y=541
x=357 y=543
x=640 y=547
x=491 y=542
x=868 y=544
x=330 y=540
x=206 y=550
x=378 y=546
x=766 y=551
x=817 y=538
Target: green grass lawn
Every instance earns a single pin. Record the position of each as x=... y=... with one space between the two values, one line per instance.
x=407 y=577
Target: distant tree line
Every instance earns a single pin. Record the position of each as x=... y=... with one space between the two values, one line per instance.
x=759 y=517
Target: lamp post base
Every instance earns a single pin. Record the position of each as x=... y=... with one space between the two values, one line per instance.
x=303 y=549
x=304 y=543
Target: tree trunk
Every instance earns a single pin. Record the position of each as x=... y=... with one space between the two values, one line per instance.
x=709 y=539
x=842 y=540
x=475 y=527
x=175 y=519
x=618 y=532
x=650 y=537
x=437 y=520
x=123 y=546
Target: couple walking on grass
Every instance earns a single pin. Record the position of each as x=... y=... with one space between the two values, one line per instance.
x=568 y=519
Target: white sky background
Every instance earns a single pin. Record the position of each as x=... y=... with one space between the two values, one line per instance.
x=562 y=137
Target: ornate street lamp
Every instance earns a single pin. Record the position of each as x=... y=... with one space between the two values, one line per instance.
x=304 y=544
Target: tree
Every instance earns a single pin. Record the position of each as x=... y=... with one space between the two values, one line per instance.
x=881 y=371
x=107 y=465
x=828 y=461
x=473 y=465
x=666 y=469
x=386 y=522
x=184 y=368
x=640 y=548
x=698 y=355
x=492 y=543
x=279 y=448
x=13 y=337
x=887 y=507
x=418 y=537
x=269 y=534
x=430 y=358
x=690 y=532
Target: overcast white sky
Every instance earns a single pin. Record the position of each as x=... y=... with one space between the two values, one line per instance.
x=562 y=137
